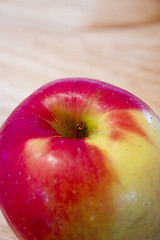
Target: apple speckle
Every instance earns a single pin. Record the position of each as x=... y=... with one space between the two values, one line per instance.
x=101 y=204
x=29 y=178
x=93 y=151
x=78 y=150
x=92 y=218
x=99 y=170
x=74 y=192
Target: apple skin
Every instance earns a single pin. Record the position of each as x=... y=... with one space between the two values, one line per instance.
x=101 y=182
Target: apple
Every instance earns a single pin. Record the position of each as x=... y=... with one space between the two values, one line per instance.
x=80 y=160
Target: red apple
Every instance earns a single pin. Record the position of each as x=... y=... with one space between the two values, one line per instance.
x=80 y=160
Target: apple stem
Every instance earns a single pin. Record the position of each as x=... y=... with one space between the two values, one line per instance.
x=81 y=129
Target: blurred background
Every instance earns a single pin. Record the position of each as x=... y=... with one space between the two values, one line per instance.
x=117 y=41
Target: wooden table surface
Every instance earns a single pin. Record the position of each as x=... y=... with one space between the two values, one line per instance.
x=44 y=40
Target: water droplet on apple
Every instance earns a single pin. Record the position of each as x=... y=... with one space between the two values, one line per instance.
x=52 y=159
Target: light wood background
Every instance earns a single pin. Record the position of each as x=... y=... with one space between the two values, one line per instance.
x=117 y=41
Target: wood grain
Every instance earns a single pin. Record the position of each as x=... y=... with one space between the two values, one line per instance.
x=44 y=40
